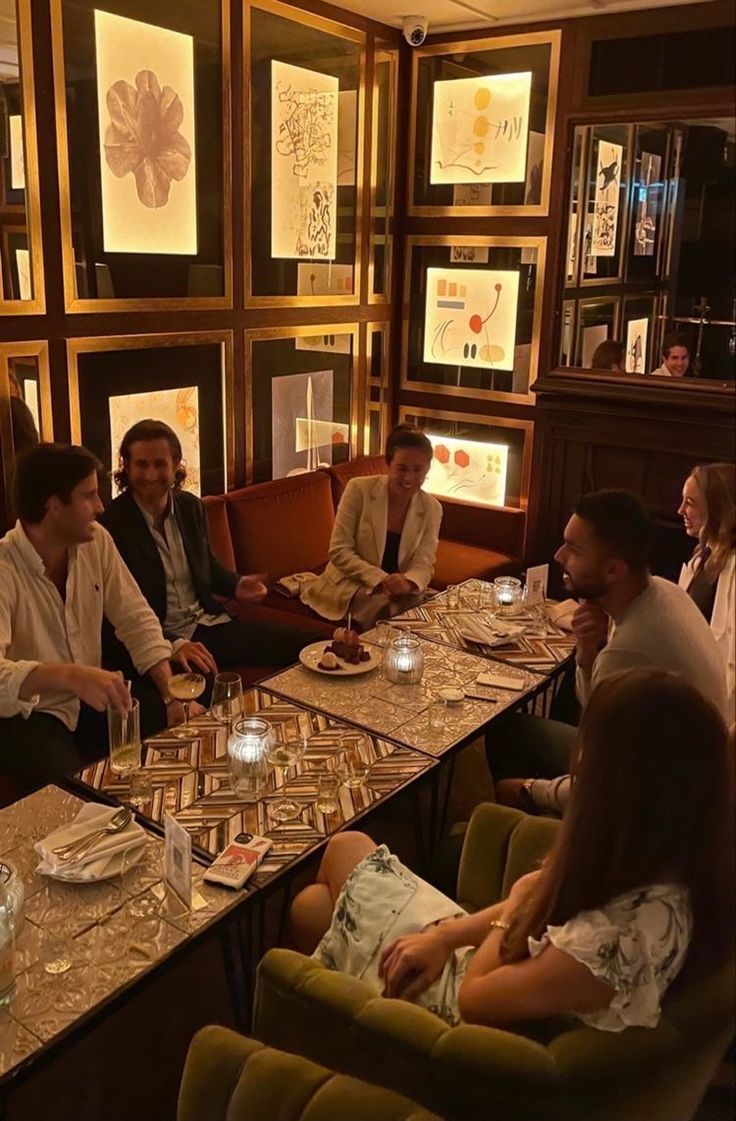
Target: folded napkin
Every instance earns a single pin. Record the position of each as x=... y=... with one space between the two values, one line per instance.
x=488 y=634
x=291 y=586
x=101 y=857
x=561 y=613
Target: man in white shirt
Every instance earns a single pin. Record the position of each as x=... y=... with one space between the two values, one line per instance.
x=675 y=356
x=60 y=573
x=626 y=618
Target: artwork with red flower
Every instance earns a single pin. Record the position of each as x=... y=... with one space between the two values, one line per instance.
x=470 y=317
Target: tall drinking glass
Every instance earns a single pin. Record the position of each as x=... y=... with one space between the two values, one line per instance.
x=227 y=698
x=124 y=737
x=186 y=687
x=282 y=756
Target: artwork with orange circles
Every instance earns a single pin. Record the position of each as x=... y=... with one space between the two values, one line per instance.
x=179 y=408
x=480 y=129
x=470 y=317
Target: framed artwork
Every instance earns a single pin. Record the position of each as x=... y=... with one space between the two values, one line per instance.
x=645 y=222
x=303 y=434
x=470 y=317
x=645 y=259
x=179 y=408
x=480 y=129
x=144 y=146
x=145 y=105
x=319 y=279
x=472 y=330
x=592 y=337
x=597 y=320
x=184 y=380
x=482 y=125
x=605 y=207
x=304 y=115
x=478 y=460
x=637 y=331
x=468 y=469
x=302 y=407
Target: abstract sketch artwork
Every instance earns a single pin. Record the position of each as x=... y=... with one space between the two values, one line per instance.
x=470 y=317
x=645 y=227
x=304 y=160
x=468 y=469
x=145 y=105
x=469 y=254
x=303 y=433
x=471 y=194
x=179 y=408
x=17 y=158
x=636 y=345
x=605 y=207
x=480 y=128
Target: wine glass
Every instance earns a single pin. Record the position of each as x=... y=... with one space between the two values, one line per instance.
x=186 y=687
x=352 y=767
x=282 y=756
x=227 y=698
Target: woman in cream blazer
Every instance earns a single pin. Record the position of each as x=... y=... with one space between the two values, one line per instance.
x=708 y=511
x=381 y=520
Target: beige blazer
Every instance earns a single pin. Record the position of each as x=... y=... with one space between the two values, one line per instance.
x=722 y=623
x=358 y=542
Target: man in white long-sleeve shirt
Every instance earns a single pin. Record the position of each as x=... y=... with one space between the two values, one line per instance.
x=626 y=619
x=59 y=574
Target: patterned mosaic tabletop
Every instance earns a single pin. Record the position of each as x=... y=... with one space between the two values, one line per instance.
x=401 y=711
x=541 y=646
x=112 y=932
x=190 y=781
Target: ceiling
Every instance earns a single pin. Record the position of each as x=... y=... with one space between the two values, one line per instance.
x=458 y=15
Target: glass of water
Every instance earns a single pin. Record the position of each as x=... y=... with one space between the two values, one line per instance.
x=353 y=766
x=124 y=738
x=227 y=697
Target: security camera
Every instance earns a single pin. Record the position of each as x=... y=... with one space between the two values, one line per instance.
x=415 y=30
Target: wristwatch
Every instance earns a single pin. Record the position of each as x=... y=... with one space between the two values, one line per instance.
x=526 y=802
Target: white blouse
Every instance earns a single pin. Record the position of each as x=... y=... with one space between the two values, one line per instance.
x=636 y=944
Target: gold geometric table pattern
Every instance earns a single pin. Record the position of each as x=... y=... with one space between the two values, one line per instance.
x=401 y=711
x=190 y=781
x=541 y=647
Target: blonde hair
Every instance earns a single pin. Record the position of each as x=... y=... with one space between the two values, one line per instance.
x=717 y=482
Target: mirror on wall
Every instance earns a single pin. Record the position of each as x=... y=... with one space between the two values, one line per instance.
x=650 y=250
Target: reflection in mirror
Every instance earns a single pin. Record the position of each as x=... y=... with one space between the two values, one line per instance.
x=16 y=282
x=651 y=224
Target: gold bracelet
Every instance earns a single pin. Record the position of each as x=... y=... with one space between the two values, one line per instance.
x=499 y=924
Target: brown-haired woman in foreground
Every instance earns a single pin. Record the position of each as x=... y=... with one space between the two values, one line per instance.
x=638 y=887
x=708 y=510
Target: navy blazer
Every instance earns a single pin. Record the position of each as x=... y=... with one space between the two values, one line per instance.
x=124 y=520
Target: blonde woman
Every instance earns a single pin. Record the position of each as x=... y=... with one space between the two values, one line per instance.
x=708 y=510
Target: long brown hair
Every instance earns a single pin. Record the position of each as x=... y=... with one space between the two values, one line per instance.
x=652 y=801
x=717 y=482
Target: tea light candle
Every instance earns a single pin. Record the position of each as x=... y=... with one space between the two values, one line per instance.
x=403 y=661
x=246 y=750
x=507 y=591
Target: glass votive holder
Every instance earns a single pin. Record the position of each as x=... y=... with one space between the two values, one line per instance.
x=403 y=661
x=247 y=745
x=508 y=594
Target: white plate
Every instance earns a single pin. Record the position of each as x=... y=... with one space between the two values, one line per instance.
x=114 y=868
x=312 y=654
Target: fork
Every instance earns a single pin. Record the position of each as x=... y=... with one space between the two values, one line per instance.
x=75 y=849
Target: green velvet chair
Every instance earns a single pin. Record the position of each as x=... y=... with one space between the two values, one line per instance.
x=230 y=1078
x=555 y=1071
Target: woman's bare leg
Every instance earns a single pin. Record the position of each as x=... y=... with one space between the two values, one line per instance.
x=311 y=910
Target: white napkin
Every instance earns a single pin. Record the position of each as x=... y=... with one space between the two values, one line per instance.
x=561 y=613
x=99 y=857
x=490 y=634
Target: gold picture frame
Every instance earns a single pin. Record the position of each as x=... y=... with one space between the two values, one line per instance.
x=89 y=345
x=36 y=305
x=525 y=426
x=39 y=350
x=539 y=243
x=339 y=30
x=382 y=385
x=534 y=38
x=264 y=334
x=390 y=55
x=593 y=302
x=73 y=302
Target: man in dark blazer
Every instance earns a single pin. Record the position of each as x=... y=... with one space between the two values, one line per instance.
x=161 y=533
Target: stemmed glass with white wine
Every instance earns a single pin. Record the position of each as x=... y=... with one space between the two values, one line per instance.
x=186 y=687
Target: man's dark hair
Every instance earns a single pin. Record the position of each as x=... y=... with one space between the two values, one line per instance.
x=149 y=430
x=620 y=520
x=407 y=436
x=49 y=471
x=673 y=339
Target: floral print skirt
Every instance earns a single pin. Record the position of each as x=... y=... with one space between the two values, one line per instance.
x=382 y=900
